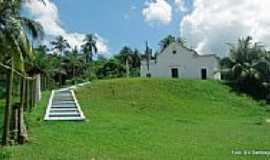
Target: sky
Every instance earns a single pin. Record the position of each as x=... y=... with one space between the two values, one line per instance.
x=206 y=25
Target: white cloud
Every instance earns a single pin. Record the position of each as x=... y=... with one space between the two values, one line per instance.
x=47 y=15
x=181 y=6
x=157 y=11
x=213 y=23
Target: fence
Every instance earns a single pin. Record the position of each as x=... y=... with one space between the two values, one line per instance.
x=22 y=93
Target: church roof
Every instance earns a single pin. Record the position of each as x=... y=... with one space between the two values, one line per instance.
x=195 y=53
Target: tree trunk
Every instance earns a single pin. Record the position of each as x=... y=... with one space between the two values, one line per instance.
x=73 y=76
x=22 y=132
x=6 y=127
x=60 y=80
x=30 y=94
x=73 y=72
x=91 y=57
x=87 y=59
x=41 y=83
x=127 y=68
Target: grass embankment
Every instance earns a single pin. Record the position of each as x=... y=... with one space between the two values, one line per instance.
x=150 y=119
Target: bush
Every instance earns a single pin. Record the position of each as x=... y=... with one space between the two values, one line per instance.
x=247 y=69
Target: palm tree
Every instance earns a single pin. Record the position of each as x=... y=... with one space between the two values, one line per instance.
x=73 y=62
x=136 y=58
x=243 y=57
x=164 y=43
x=126 y=57
x=14 y=31
x=247 y=66
x=89 y=47
x=53 y=68
x=41 y=63
x=60 y=44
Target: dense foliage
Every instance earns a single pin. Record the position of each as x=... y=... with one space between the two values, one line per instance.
x=248 y=68
x=72 y=65
x=16 y=33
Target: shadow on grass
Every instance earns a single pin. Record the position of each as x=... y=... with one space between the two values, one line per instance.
x=256 y=94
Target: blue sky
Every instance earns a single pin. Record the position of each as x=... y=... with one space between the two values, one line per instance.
x=120 y=22
x=206 y=25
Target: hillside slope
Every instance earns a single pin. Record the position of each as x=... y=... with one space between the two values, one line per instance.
x=151 y=119
x=168 y=119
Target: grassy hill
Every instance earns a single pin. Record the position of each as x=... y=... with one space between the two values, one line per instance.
x=150 y=119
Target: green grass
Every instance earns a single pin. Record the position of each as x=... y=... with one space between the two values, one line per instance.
x=150 y=119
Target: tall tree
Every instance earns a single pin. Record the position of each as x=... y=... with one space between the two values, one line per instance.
x=60 y=44
x=136 y=59
x=73 y=62
x=247 y=67
x=164 y=43
x=14 y=31
x=125 y=56
x=89 y=47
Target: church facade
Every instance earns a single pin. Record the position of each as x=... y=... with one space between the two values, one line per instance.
x=178 y=61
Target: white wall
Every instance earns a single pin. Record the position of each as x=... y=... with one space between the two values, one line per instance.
x=189 y=64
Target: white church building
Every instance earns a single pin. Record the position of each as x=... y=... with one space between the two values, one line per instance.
x=178 y=61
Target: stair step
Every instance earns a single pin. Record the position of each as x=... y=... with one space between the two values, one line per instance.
x=64 y=115
x=63 y=94
x=64 y=111
x=63 y=106
x=62 y=99
x=65 y=118
x=63 y=102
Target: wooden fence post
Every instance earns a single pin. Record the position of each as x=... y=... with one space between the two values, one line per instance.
x=26 y=106
x=38 y=84
x=33 y=92
x=22 y=133
x=30 y=95
x=6 y=127
x=14 y=120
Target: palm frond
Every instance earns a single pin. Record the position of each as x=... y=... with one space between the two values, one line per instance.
x=25 y=46
x=33 y=27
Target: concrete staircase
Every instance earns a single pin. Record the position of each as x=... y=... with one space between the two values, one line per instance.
x=63 y=105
